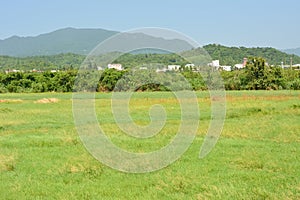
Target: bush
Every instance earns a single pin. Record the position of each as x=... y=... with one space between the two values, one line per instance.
x=295 y=85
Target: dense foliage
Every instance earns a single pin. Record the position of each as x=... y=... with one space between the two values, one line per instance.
x=226 y=55
x=134 y=60
x=37 y=82
x=42 y=63
x=259 y=76
x=234 y=55
x=256 y=76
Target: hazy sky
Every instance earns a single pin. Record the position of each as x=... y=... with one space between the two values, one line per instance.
x=273 y=23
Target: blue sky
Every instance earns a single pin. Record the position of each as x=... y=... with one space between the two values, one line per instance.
x=229 y=22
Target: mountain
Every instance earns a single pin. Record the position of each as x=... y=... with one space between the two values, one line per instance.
x=295 y=51
x=68 y=40
x=234 y=55
x=78 y=41
x=82 y=41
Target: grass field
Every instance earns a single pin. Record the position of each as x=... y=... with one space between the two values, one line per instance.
x=256 y=157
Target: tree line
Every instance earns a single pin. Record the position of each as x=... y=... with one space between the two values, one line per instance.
x=257 y=75
x=41 y=63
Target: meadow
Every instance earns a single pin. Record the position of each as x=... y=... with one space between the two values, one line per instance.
x=257 y=155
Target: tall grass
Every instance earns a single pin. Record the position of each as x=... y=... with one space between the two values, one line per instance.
x=256 y=157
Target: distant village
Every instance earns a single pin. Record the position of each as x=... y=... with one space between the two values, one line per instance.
x=214 y=64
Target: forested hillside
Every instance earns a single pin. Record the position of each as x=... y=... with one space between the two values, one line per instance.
x=73 y=61
x=234 y=55
x=226 y=55
x=43 y=63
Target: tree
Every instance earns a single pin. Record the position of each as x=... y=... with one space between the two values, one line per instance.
x=260 y=76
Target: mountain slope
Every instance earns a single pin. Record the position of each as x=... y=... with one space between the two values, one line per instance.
x=226 y=55
x=68 y=40
x=235 y=55
x=77 y=41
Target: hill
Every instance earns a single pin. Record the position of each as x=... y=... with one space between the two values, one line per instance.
x=68 y=40
x=226 y=55
x=60 y=61
x=234 y=55
x=77 y=41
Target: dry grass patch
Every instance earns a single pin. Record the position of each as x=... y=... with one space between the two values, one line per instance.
x=47 y=100
x=232 y=98
x=11 y=100
x=82 y=165
x=7 y=163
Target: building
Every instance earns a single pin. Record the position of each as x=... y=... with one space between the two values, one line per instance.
x=173 y=67
x=115 y=66
x=12 y=71
x=226 y=68
x=245 y=60
x=214 y=63
x=239 y=66
x=190 y=65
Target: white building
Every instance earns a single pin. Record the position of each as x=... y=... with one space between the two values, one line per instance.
x=115 y=66
x=173 y=67
x=243 y=65
x=239 y=66
x=226 y=68
x=286 y=66
x=190 y=65
x=214 y=63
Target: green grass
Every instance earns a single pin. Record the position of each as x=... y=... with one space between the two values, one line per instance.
x=256 y=157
